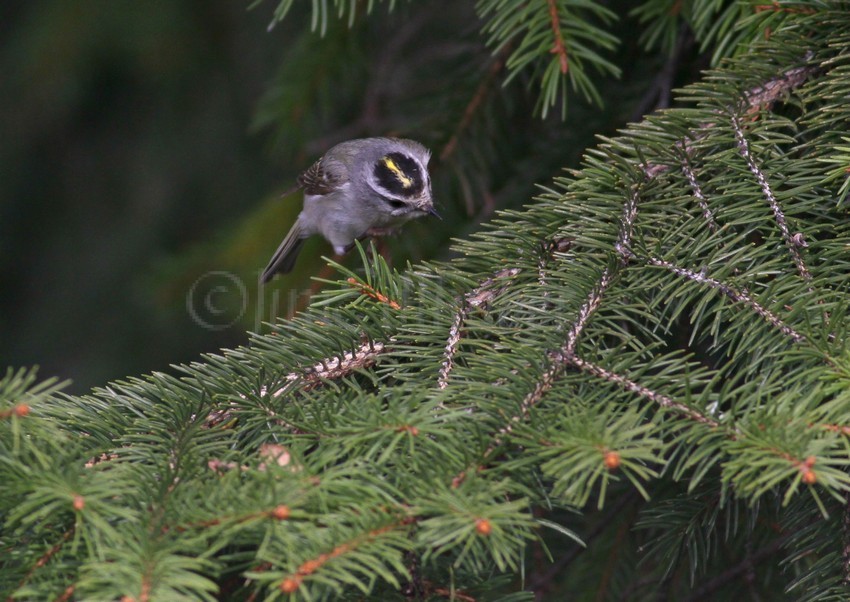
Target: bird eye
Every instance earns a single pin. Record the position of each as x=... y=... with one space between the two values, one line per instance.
x=396 y=204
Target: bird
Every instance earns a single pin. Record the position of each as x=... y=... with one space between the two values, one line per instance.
x=357 y=189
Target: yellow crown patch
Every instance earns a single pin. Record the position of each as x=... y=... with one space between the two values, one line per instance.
x=405 y=180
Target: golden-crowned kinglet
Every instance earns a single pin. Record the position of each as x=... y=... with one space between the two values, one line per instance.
x=359 y=188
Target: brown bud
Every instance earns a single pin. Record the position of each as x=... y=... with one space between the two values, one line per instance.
x=290 y=585
x=612 y=460
x=483 y=526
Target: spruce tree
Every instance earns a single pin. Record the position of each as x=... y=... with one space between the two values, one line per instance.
x=636 y=387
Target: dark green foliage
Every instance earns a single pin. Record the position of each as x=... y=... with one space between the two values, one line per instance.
x=650 y=359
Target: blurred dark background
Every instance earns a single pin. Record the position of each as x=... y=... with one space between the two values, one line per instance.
x=144 y=148
x=125 y=143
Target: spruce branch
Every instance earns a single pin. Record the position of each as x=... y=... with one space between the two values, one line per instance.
x=562 y=360
x=792 y=241
x=734 y=572
x=326 y=369
x=332 y=368
x=766 y=94
x=557 y=41
x=585 y=386
x=759 y=97
x=696 y=189
x=45 y=558
x=775 y=6
x=479 y=297
x=737 y=295
x=558 y=48
x=590 y=305
x=845 y=538
x=662 y=400
x=291 y=583
x=623 y=249
x=547 y=252
x=370 y=291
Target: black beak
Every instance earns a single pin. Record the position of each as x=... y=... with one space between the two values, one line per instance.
x=433 y=212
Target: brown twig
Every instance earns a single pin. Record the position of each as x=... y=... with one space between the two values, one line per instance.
x=558 y=47
x=474 y=103
x=706 y=590
x=44 y=559
x=776 y=7
x=623 y=248
x=370 y=292
x=548 y=248
x=452 y=594
x=291 y=583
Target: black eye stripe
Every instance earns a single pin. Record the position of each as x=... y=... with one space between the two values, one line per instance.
x=399 y=174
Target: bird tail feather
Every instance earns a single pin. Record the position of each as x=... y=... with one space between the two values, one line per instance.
x=284 y=258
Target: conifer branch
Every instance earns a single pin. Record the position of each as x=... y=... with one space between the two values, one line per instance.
x=845 y=551
x=479 y=297
x=793 y=242
x=633 y=407
x=333 y=368
x=372 y=293
x=662 y=400
x=739 y=296
x=558 y=48
x=291 y=583
x=769 y=92
x=549 y=248
x=627 y=224
x=69 y=591
x=776 y=7
x=623 y=248
x=705 y=591
x=590 y=305
x=763 y=95
x=44 y=559
x=697 y=192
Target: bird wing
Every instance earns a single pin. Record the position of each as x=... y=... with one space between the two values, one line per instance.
x=323 y=177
